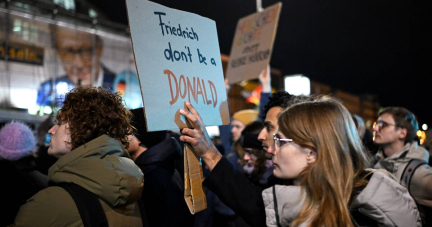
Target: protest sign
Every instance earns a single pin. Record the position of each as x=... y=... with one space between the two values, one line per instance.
x=252 y=45
x=178 y=59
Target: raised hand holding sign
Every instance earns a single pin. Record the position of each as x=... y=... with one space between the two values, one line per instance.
x=178 y=59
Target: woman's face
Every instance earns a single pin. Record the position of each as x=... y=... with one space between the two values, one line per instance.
x=237 y=128
x=290 y=159
x=249 y=157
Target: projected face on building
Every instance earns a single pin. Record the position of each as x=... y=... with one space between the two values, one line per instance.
x=80 y=54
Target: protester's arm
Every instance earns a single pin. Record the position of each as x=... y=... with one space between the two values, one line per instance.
x=236 y=191
x=199 y=139
x=265 y=80
x=231 y=186
x=225 y=130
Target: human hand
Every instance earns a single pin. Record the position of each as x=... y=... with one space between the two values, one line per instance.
x=198 y=138
x=265 y=79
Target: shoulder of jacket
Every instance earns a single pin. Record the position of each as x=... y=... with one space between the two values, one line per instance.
x=382 y=193
x=52 y=206
x=267 y=195
x=422 y=173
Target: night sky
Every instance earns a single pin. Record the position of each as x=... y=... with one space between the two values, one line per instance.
x=378 y=47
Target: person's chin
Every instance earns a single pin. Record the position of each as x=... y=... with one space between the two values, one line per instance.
x=276 y=172
x=50 y=151
x=377 y=140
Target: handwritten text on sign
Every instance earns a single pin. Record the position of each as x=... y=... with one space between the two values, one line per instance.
x=185 y=55
x=178 y=59
x=252 y=44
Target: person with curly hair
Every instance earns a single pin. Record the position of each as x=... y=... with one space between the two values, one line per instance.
x=91 y=140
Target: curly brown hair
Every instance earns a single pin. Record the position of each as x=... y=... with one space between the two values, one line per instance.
x=92 y=112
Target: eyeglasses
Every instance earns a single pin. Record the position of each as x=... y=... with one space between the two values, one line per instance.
x=68 y=55
x=382 y=124
x=257 y=153
x=280 y=142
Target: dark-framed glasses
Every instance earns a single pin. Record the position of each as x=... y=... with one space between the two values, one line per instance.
x=382 y=124
x=280 y=142
x=257 y=153
x=68 y=55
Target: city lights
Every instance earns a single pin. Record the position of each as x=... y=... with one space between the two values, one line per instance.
x=297 y=85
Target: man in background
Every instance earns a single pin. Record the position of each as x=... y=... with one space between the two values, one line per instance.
x=79 y=53
x=400 y=154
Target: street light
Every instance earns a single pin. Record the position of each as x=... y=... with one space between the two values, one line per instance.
x=297 y=84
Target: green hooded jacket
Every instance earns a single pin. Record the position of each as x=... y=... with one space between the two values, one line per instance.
x=99 y=166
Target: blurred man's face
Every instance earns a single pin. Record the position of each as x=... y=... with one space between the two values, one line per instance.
x=270 y=127
x=74 y=48
x=134 y=144
x=237 y=128
x=250 y=158
x=386 y=132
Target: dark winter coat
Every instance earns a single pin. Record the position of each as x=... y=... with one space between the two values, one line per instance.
x=23 y=182
x=162 y=202
x=236 y=191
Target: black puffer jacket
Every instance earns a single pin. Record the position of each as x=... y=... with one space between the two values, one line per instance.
x=162 y=202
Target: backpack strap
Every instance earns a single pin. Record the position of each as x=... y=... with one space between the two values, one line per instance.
x=88 y=204
x=409 y=170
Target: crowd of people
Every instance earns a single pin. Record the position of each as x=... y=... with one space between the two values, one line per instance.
x=295 y=161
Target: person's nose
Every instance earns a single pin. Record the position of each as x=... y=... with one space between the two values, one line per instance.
x=262 y=135
x=376 y=128
x=53 y=129
x=246 y=157
x=78 y=61
x=272 y=149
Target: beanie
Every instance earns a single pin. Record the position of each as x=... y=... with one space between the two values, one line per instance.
x=246 y=116
x=16 y=141
x=148 y=139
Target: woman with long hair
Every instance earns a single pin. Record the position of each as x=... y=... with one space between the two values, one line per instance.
x=318 y=148
x=257 y=165
x=318 y=152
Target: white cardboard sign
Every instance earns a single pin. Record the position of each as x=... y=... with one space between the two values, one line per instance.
x=178 y=59
x=253 y=43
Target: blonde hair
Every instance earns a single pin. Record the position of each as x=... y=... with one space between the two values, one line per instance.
x=325 y=126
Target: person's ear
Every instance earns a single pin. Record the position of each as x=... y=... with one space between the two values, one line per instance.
x=311 y=156
x=402 y=133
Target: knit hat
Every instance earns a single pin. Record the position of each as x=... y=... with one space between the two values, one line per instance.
x=246 y=116
x=148 y=139
x=17 y=140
